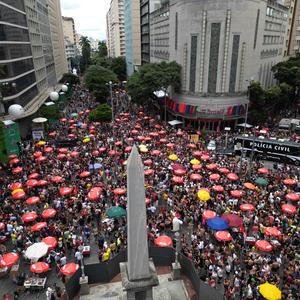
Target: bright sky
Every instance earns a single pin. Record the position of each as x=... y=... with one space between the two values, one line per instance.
x=89 y=16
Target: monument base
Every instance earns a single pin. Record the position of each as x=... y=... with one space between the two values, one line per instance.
x=176 y=270
x=139 y=289
x=84 y=285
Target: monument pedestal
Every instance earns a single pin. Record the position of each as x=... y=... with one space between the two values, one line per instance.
x=176 y=270
x=138 y=289
x=84 y=285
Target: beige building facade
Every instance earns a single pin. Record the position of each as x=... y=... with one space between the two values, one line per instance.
x=293 y=32
x=115 y=33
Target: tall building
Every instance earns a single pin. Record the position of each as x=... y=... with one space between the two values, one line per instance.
x=115 y=33
x=29 y=67
x=222 y=46
x=293 y=32
x=132 y=35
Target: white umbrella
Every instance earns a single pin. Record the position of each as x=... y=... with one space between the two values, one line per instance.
x=36 y=251
x=39 y=120
x=245 y=125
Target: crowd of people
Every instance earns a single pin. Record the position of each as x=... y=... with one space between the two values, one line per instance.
x=96 y=158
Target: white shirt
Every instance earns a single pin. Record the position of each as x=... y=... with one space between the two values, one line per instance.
x=176 y=224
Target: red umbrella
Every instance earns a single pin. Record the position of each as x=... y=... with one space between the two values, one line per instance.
x=42 y=182
x=95 y=153
x=48 y=150
x=247 y=207
x=208 y=214
x=32 y=200
x=39 y=267
x=177 y=179
x=204 y=157
x=233 y=220
x=148 y=201
x=84 y=174
x=41 y=158
x=263 y=171
x=74 y=153
x=155 y=152
x=128 y=149
x=50 y=241
x=12 y=156
x=170 y=145
x=9 y=259
x=118 y=143
x=63 y=150
x=69 y=269
x=19 y=195
x=289 y=209
x=154 y=134
x=119 y=191
x=148 y=162
x=196 y=176
x=2 y=226
x=179 y=172
x=197 y=167
x=148 y=172
x=112 y=153
x=289 y=181
x=94 y=193
x=292 y=197
x=263 y=245
x=14 y=161
x=17 y=170
x=63 y=191
x=38 y=226
x=192 y=146
x=232 y=177
x=214 y=177
x=273 y=231
x=141 y=138
x=163 y=141
x=223 y=236
x=197 y=153
x=52 y=134
x=157 y=126
x=134 y=131
x=237 y=193
x=63 y=120
x=57 y=179
x=102 y=149
x=32 y=183
x=224 y=170
x=15 y=186
x=48 y=213
x=138 y=127
x=61 y=156
x=29 y=217
x=218 y=188
x=33 y=175
x=211 y=167
x=148 y=139
x=163 y=241
x=37 y=154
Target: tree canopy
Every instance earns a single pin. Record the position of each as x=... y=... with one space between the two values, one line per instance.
x=102 y=113
x=96 y=78
x=85 y=60
x=70 y=78
x=102 y=49
x=152 y=77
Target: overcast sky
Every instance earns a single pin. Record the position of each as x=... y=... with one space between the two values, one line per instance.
x=89 y=16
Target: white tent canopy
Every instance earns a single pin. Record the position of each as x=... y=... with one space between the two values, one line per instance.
x=245 y=125
x=175 y=122
x=36 y=251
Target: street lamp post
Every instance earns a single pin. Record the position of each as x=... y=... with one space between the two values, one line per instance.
x=165 y=91
x=227 y=129
x=84 y=286
x=176 y=267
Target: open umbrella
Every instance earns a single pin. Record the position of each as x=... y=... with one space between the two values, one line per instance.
x=224 y=170
x=119 y=191
x=33 y=200
x=63 y=150
x=223 y=236
x=196 y=177
x=48 y=150
x=148 y=162
x=29 y=217
x=32 y=183
x=19 y=195
x=292 y=197
x=192 y=146
x=177 y=179
x=41 y=158
x=249 y=186
x=63 y=191
x=232 y=177
x=289 y=209
x=17 y=170
x=36 y=251
x=289 y=181
x=247 y=207
x=208 y=214
x=163 y=241
x=204 y=157
x=84 y=174
x=197 y=167
x=94 y=193
x=74 y=153
x=173 y=157
x=34 y=176
x=15 y=186
x=61 y=156
x=163 y=140
x=38 y=226
x=211 y=167
x=179 y=172
x=57 y=179
x=261 y=181
x=233 y=220
x=42 y=182
x=39 y=267
x=116 y=212
x=48 y=213
x=203 y=195
x=2 y=226
x=263 y=245
x=217 y=188
x=197 y=153
x=14 y=161
x=195 y=162
x=263 y=171
x=237 y=193
x=37 y=154
x=69 y=269
x=12 y=156
x=269 y=291
x=214 y=177
x=273 y=231
x=9 y=259
x=50 y=241
x=217 y=223
x=149 y=172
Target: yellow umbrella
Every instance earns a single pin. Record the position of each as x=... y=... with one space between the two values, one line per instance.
x=270 y=291
x=143 y=149
x=173 y=157
x=249 y=186
x=195 y=161
x=203 y=195
x=41 y=143
x=16 y=191
x=86 y=140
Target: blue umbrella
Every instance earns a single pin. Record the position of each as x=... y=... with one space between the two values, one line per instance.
x=217 y=223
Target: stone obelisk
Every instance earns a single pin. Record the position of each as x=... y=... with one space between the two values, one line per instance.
x=138 y=274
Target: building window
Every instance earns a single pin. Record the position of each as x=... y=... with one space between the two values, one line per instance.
x=213 y=57
x=234 y=61
x=193 y=62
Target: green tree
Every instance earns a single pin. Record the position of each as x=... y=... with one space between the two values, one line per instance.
x=50 y=112
x=102 y=49
x=70 y=78
x=118 y=66
x=96 y=78
x=86 y=53
x=101 y=61
x=102 y=113
x=272 y=97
